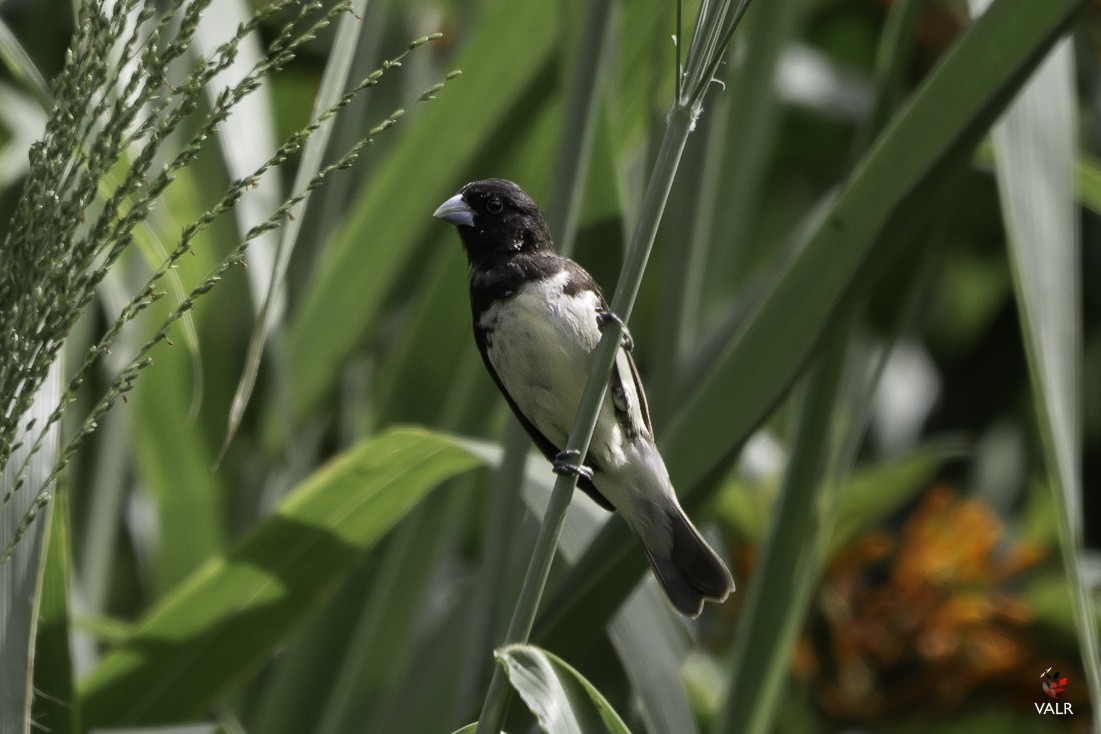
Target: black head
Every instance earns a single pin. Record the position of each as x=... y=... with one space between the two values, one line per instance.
x=496 y=220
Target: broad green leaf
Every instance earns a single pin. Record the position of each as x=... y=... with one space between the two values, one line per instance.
x=380 y=646
x=895 y=184
x=393 y=214
x=561 y=699
x=416 y=704
x=892 y=189
x=295 y=686
x=173 y=461
x=227 y=618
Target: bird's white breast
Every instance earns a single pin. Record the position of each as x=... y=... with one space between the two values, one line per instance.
x=540 y=343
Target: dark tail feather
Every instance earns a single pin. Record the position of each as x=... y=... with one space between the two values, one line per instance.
x=693 y=572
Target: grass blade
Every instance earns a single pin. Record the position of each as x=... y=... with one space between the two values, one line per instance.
x=1034 y=153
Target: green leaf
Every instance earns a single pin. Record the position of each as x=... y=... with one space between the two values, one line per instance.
x=892 y=189
x=1034 y=153
x=173 y=461
x=651 y=648
x=561 y=699
x=227 y=618
x=54 y=707
x=380 y=645
x=1087 y=179
x=24 y=531
x=172 y=447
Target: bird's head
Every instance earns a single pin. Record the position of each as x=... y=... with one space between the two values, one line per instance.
x=496 y=220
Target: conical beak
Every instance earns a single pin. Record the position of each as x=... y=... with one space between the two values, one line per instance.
x=456 y=211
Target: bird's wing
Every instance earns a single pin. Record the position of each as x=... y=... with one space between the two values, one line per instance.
x=629 y=398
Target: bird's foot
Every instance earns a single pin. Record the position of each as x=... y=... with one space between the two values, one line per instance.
x=605 y=317
x=569 y=462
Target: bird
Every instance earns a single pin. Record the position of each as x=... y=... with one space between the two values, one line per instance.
x=538 y=318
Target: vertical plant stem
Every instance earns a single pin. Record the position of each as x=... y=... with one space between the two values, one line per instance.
x=681 y=121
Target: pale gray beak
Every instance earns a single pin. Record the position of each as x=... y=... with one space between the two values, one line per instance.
x=456 y=211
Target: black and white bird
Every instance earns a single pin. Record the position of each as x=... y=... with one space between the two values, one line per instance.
x=537 y=321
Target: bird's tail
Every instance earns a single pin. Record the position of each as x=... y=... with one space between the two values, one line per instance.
x=689 y=570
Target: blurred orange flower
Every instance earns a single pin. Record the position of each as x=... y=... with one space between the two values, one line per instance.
x=922 y=620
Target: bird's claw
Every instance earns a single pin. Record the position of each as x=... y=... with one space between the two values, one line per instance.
x=604 y=317
x=569 y=462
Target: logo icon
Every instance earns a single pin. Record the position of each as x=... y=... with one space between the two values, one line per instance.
x=1052 y=684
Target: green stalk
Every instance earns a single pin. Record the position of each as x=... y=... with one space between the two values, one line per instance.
x=681 y=121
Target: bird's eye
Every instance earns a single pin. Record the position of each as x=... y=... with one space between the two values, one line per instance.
x=494 y=206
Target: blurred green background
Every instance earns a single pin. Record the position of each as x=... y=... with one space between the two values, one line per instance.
x=935 y=595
